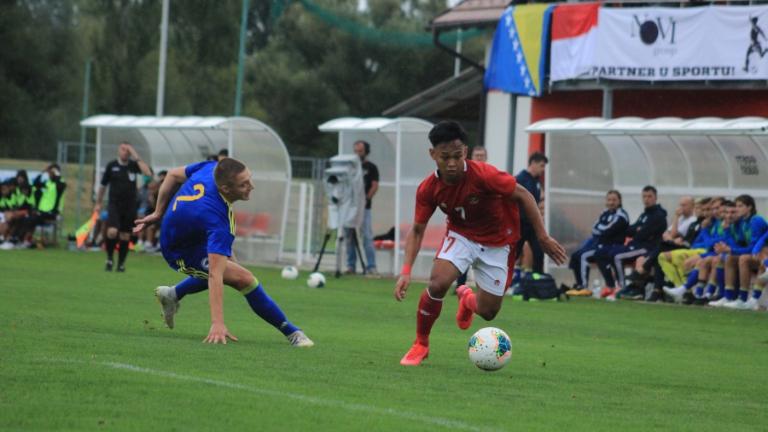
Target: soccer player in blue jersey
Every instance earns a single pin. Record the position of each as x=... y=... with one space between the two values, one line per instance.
x=196 y=239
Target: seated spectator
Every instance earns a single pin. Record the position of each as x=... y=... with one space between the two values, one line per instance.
x=49 y=194
x=741 y=263
x=645 y=235
x=673 y=262
x=6 y=206
x=706 y=281
x=680 y=234
x=23 y=201
x=609 y=229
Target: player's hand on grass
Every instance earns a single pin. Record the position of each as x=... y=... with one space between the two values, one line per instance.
x=402 y=286
x=219 y=334
x=147 y=220
x=552 y=248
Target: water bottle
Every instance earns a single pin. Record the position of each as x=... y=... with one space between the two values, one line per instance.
x=596 y=287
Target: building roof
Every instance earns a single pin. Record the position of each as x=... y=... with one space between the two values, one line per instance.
x=471 y=13
x=443 y=97
x=663 y=125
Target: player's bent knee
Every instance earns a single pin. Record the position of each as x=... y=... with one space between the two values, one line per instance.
x=437 y=288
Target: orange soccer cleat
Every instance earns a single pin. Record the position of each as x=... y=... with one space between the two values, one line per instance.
x=464 y=315
x=607 y=292
x=415 y=355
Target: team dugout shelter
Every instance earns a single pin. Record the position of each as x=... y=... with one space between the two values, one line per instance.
x=699 y=157
x=400 y=150
x=168 y=142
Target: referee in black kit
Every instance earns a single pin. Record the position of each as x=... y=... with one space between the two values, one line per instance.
x=120 y=176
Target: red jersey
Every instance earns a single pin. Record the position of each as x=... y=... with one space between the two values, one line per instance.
x=479 y=207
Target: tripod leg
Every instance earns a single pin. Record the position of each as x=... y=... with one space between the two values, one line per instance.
x=322 y=251
x=359 y=253
x=339 y=247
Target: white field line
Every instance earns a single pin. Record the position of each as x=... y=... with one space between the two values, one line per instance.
x=355 y=407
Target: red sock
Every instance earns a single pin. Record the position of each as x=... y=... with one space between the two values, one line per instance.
x=470 y=301
x=426 y=315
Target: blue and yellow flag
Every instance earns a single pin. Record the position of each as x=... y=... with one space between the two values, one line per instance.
x=519 y=55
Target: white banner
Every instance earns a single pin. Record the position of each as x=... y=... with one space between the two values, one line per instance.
x=689 y=44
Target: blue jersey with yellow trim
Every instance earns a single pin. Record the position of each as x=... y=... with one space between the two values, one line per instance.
x=198 y=216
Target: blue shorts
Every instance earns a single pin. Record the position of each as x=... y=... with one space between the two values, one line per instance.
x=192 y=261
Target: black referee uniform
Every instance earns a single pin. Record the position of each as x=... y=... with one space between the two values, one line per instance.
x=121 y=211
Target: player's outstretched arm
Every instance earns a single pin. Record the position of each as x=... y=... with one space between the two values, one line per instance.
x=412 y=246
x=219 y=333
x=528 y=205
x=173 y=180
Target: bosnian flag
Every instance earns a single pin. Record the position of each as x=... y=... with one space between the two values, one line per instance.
x=574 y=37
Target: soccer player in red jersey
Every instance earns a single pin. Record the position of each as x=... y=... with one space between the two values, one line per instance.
x=481 y=204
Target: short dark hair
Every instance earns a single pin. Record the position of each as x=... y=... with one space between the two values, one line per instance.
x=226 y=171
x=704 y=201
x=537 y=157
x=650 y=188
x=162 y=173
x=224 y=152
x=366 y=146
x=447 y=131
x=728 y=203
x=748 y=201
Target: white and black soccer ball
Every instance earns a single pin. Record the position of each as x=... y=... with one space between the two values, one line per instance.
x=490 y=349
x=290 y=272
x=316 y=280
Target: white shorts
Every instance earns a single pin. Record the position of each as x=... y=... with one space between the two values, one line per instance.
x=491 y=263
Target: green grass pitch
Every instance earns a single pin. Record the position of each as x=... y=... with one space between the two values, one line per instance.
x=81 y=349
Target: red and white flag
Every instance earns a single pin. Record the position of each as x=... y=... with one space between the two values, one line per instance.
x=574 y=38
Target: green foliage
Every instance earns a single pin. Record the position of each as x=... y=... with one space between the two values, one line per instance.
x=308 y=61
x=81 y=349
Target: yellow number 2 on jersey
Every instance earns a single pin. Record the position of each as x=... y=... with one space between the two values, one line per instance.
x=199 y=188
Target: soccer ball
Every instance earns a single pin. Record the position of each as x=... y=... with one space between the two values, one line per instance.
x=490 y=349
x=290 y=272
x=316 y=280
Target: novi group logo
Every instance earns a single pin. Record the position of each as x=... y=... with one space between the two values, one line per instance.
x=654 y=29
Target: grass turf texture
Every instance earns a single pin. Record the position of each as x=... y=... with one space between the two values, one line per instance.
x=84 y=349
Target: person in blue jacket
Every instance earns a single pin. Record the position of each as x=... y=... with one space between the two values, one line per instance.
x=609 y=229
x=742 y=263
x=645 y=236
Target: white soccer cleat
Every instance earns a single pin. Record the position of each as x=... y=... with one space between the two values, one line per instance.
x=763 y=276
x=733 y=304
x=676 y=293
x=299 y=339
x=166 y=296
x=7 y=245
x=719 y=303
x=751 y=304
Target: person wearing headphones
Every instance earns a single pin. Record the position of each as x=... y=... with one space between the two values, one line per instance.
x=371 y=181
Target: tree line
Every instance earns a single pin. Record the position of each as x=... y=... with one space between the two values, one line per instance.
x=300 y=70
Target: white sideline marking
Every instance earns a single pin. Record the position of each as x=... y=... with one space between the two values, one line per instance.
x=438 y=421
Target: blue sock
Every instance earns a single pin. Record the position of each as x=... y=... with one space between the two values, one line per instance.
x=516 y=276
x=720 y=278
x=190 y=285
x=267 y=309
x=699 y=291
x=743 y=295
x=693 y=277
x=757 y=291
x=730 y=293
x=711 y=288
